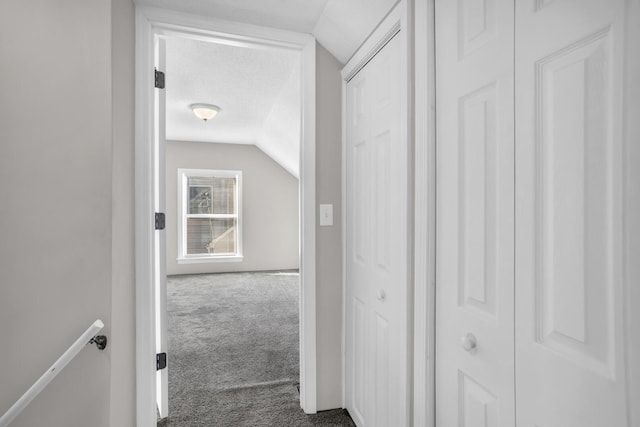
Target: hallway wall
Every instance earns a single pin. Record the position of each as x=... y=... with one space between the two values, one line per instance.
x=329 y=239
x=56 y=191
x=123 y=310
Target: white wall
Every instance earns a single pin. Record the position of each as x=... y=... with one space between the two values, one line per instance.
x=55 y=204
x=269 y=206
x=123 y=332
x=329 y=239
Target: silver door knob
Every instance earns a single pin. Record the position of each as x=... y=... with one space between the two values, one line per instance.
x=469 y=342
x=381 y=295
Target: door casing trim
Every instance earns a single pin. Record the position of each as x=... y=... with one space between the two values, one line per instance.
x=424 y=214
x=153 y=22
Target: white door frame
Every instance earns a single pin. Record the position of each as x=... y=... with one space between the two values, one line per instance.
x=424 y=293
x=150 y=23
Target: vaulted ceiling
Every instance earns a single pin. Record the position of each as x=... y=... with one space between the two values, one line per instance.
x=256 y=89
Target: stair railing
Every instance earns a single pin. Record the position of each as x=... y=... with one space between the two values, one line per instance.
x=88 y=337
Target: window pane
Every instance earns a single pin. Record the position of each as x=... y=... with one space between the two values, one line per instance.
x=211 y=195
x=211 y=236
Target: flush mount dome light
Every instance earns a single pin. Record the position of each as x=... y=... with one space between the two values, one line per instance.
x=205 y=111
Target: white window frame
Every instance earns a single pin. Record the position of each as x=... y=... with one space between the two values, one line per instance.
x=183 y=178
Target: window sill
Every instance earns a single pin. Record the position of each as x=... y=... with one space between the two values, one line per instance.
x=203 y=259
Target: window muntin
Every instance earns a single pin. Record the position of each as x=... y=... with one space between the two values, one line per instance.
x=210 y=223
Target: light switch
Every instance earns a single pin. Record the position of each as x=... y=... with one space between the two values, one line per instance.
x=326 y=215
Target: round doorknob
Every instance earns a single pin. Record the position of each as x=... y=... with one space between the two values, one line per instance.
x=469 y=342
x=381 y=295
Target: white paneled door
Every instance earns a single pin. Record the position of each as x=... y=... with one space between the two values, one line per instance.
x=570 y=333
x=530 y=309
x=376 y=242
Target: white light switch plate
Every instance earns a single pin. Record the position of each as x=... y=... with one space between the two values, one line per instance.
x=326 y=215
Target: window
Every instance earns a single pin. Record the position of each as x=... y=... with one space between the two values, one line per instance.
x=210 y=220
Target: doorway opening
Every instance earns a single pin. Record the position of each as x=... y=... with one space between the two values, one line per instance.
x=153 y=27
x=232 y=234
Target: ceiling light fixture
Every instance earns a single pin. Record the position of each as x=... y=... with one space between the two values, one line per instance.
x=205 y=111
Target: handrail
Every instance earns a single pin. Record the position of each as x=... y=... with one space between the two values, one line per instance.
x=212 y=244
x=88 y=337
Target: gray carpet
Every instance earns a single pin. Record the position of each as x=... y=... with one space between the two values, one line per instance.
x=233 y=352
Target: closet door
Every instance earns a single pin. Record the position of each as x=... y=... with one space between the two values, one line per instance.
x=376 y=242
x=570 y=343
x=475 y=213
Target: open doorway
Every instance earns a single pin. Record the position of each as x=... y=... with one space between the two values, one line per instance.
x=154 y=25
x=232 y=234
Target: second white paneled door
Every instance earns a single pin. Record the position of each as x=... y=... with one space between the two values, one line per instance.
x=530 y=310
x=376 y=242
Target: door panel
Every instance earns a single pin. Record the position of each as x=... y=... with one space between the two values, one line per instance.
x=474 y=235
x=570 y=367
x=478 y=407
x=477 y=224
x=572 y=203
x=376 y=243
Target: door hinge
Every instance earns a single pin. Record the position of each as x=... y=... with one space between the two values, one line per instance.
x=159 y=79
x=161 y=361
x=160 y=220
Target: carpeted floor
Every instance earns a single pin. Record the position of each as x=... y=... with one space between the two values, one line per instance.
x=233 y=352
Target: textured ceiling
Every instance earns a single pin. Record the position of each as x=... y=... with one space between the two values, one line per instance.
x=257 y=90
x=244 y=82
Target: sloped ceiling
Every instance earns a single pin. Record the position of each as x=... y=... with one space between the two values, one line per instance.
x=345 y=24
x=258 y=90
